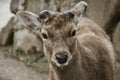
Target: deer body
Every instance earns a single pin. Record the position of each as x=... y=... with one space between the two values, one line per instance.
x=76 y=47
x=93 y=54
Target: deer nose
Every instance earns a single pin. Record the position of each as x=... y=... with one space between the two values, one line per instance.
x=61 y=58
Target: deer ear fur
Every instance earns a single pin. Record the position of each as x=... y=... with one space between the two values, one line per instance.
x=79 y=8
x=29 y=19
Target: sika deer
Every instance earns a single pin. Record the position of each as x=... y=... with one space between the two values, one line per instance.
x=76 y=47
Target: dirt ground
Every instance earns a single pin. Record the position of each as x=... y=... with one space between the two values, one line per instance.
x=12 y=69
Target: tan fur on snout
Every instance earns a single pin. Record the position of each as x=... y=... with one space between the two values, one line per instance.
x=60 y=49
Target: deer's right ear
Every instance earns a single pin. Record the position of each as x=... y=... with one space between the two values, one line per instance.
x=29 y=19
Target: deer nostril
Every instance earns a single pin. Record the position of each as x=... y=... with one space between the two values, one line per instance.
x=61 y=58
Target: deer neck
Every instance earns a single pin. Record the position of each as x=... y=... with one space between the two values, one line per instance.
x=74 y=70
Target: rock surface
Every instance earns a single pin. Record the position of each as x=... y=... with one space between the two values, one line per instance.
x=116 y=41
x=12 y=69
x=28 y=42
x=6 y=35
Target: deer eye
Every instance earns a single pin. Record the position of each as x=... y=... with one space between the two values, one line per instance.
x=44 y=35
x=72 y=33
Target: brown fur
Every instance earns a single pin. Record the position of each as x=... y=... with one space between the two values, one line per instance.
x=92 y=53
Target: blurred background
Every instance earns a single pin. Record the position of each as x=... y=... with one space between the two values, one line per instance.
x=21 y=52
x=5 y=13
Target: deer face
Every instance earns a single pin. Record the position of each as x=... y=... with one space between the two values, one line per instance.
x=58 y=32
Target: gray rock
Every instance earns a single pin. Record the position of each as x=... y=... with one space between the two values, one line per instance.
x=14 y=6
x=6 y=34
x=116 y=41
x=117 y=72
x=36 y=6
x=27 y=40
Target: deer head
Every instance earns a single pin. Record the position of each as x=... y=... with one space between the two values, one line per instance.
x=58 y=32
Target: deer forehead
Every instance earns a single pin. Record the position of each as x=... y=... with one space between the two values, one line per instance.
x=58 y=21
x=58 y=30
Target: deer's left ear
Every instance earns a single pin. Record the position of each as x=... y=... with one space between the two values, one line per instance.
x=79 y=8
x=76 y=11
x=29 y=19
